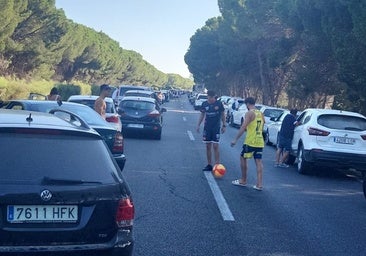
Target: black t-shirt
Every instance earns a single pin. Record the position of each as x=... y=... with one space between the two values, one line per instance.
x=213 y=113
x=288 y=126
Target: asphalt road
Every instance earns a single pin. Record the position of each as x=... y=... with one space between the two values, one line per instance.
x=181 y=210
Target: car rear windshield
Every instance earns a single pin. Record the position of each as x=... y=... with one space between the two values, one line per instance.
x=272 y=113
x=343 y=122
x=88 y=114
x=137 y=105
x=90 y=103
x=30 y=157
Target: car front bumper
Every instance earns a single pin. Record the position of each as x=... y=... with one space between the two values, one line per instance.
x=336 y=159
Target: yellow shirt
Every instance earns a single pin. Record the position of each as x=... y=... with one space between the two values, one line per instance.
x=254 y=136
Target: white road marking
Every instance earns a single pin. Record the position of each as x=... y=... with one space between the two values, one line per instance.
x=220 y=200
x=190 y=135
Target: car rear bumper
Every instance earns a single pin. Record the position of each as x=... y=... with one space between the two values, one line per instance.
x=336 y=159
x=121 y=244
x=149 y=128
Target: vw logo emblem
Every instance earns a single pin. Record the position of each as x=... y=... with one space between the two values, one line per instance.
x=46 y=195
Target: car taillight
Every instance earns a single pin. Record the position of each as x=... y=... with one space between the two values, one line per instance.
x=118 y=142
x=112 y=119
x=363 y=137
x=125 y=213
x=317 y=132
x=154 y=113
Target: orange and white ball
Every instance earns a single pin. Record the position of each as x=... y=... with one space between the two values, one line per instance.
x=218 y=171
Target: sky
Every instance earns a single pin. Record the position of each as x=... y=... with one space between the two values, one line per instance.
x=160 y=30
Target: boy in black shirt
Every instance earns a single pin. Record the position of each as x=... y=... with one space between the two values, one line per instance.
x=212 y=111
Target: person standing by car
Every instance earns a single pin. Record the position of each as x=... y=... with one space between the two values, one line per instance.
x=213 y=112
x=53 y=95
x=285 y=138
x=253 y=144
x=100 y=106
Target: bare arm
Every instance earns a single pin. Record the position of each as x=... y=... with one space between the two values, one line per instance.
x=202 y=116
x=249 y=117
x=223 y=120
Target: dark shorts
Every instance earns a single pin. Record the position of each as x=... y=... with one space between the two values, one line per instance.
x=284 y=143
x=249 y=152
x=211 y=134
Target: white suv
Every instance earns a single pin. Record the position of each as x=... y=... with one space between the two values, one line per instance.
x=201 y=97
x=329 y=138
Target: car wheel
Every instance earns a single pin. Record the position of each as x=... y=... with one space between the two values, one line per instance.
x=303 y=166
x=266 y=138
x=231 y=120
x=157 y=135
x=364 y=186
x=291 y=159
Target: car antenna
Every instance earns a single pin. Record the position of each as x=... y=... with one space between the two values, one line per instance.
x=29 y=118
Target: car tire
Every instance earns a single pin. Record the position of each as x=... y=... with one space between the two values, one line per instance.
x=266 y=138
x=291 y=159
x=303 y=166
x=364 y=186
x=231 y=120
x=157 y=135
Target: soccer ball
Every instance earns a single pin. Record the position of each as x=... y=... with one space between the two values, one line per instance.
x=218 y=171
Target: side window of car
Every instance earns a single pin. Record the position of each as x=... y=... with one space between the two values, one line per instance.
x=307 y=118
x=16 y=106
x=300 y=119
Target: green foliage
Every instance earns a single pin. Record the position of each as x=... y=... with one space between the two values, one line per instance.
x=37 y=41
x=306 y=51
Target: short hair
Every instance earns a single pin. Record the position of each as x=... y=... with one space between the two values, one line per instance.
x=54 y=91
x=293 y=111
x=250 y=101
x=211 y=93
x=104 y=87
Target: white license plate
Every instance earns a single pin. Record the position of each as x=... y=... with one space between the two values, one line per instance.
x=42 y=213
x=344 y=140
x=140 y=126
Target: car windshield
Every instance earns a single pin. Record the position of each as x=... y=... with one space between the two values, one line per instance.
x=54 y=156
x=137 y=105
x=142 y=93
x=343 y=122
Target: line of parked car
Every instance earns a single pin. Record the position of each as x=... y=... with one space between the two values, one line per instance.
x=62 y=186
x=323 y=138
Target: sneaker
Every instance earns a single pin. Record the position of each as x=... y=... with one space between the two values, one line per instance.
x=276 y=165
x=208 y=168
x=257 y=188
x=283 y=165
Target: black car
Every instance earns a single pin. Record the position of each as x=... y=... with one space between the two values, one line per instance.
x=141 y=115
x=61 y=190
x=112 y=137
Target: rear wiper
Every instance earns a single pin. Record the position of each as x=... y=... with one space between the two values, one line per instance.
x=51 y=181
x=352 y=129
